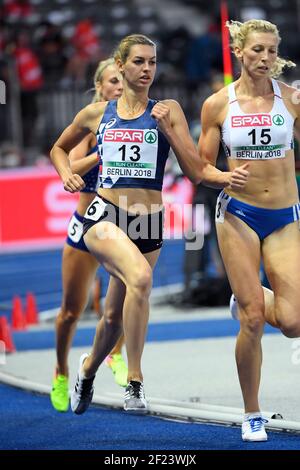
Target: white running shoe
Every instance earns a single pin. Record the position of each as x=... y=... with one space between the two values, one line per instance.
x=233 y=306
x=135 y=400
x=253 y=429
x=82 y=395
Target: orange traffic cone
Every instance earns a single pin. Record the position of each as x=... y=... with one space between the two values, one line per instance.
x=31 y=313
x=5 y=335
x=17 y=316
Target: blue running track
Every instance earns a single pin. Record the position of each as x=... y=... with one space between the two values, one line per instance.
x=31 y=423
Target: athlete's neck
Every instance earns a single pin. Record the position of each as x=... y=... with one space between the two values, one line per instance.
x=133 y=102
x=247 y=86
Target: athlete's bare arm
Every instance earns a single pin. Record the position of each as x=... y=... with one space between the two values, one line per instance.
x=80 y=163
x=172 y=123
x=209 y=142
x=85 y=121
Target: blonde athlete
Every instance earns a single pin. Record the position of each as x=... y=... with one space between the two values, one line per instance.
x=123 y=225
x=78 y=265
x=257 y=213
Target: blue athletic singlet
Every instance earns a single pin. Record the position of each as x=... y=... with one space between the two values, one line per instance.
x=133 y=152
x=91 y=177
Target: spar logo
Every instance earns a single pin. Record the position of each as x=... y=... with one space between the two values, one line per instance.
x=250 y=120
x=278 y=119
x=124 y=135
x=150 y=137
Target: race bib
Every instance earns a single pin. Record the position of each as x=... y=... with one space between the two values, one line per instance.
x=129 y=153
x=258 y=136
x=95 y=210
x=222 y=203
x=75 y=229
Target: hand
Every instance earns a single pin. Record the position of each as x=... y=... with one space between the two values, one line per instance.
x=238 y=178
x=161 y=113
x=73 y=183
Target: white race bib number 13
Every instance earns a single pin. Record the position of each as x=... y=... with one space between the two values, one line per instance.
x=130 y=153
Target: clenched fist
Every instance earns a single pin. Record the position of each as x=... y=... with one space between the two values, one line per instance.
x=239 y=176
x=73 y=183
x=161 y=113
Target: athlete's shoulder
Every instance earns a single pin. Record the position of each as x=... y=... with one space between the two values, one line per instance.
x=94 y=109
x=172 y=104
x=91 y=111
x=219 y=99
x=290 y=96
x=90 y=115
x=215 y=104
x=287 y=91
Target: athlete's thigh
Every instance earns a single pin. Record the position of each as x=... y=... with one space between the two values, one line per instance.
x=240 y=250
x=117 y=290
x=78 y=272
x=112 y=248
x=152 y=257
x=281 y=256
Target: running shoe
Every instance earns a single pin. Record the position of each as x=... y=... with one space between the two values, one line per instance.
x=59 y=395
x=135 y=400
x=117 y=364
x=253 y=429
x=233 y=306
x=83 y=392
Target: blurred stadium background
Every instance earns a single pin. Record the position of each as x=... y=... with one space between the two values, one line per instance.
x=48 y=54
x=49 y=51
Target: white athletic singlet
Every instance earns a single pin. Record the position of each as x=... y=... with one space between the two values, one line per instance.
x=257 y=136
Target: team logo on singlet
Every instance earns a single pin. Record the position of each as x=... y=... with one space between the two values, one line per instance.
x=106 y=125
x=110 y=123
x=278 y=119
x=251 y=120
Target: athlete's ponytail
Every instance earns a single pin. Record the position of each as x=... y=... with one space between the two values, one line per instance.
x=99 y=76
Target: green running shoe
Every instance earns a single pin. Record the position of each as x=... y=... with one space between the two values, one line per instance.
x=118 y=367
x=60 y=393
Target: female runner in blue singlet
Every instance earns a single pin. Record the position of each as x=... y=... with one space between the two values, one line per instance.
x=123 y=225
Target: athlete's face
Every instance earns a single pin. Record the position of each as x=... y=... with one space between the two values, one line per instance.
x=140 y=66
x=259 y=53
x=110 y=86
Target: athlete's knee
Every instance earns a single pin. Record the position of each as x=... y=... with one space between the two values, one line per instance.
x=140 y=281
x=68 y=315
x=253 y=324
x=290 y=327
x=112 y=316
x=113 y=322
x=252 y=317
